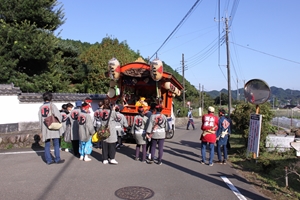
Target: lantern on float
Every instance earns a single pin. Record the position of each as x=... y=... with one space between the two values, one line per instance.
x=156 y=69
x=114 y=69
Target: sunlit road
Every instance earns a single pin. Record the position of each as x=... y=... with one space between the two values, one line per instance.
x=181 y=176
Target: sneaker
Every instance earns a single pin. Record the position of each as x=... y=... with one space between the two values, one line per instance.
x=150 y=161
x=118 y=146
x=60 y=161
x=143 y=161
x=159 y=162
x=136 y=159
x=202 y=162
x=105 y=162
x=224 y=162
x=51 y=162
x=81 y=158
x=67 y=150
x=211 y=164
x=86 y=158
x=219 y=162
x=113 y=161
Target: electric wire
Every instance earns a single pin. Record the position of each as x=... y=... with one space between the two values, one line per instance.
x=266 y=53
x=179 y=25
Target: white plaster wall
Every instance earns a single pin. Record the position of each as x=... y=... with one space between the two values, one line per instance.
x=14 y=111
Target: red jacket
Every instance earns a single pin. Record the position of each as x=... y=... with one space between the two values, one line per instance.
x=209 y=122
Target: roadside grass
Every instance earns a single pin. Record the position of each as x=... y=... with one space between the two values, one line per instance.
x=276 y=173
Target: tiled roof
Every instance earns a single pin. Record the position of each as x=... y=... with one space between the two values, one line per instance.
x=65 y=97
x=9 y=89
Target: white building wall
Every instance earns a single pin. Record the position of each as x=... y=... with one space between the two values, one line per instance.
x=14 y=111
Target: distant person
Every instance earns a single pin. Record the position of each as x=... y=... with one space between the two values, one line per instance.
x=223 y=133
x=178 y=112
x=49 y=108
x=209 y=128
x=190 y=119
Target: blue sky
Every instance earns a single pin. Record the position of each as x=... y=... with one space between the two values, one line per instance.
x=264 y=37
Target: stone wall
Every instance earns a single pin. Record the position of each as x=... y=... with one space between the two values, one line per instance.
x=32 y=138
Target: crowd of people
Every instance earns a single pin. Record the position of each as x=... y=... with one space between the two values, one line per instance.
x=149 y=130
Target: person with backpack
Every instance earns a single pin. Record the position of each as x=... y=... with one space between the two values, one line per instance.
x=139 y=134
x=45 y=111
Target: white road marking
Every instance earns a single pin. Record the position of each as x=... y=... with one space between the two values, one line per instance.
x=22 y=152
x=233 y=188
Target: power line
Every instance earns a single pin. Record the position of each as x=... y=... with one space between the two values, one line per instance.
x=180 y=23
x=266 y=53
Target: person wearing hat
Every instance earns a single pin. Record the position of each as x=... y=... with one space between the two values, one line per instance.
x=223 y=132
x=141 y=102
x=208 y=137
x=85 y=131
x=190 y=121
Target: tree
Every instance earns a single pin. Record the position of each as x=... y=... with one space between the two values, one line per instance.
x=241 y=120
x=96 y=61
x=27 y=41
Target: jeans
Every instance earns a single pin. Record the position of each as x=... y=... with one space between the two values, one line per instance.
x=191 y=121
x=211 y=152
x=220 y=153
x=48 y=157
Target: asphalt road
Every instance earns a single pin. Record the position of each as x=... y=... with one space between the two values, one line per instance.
x=24 y=175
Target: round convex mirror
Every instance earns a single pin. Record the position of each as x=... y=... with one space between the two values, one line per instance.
x=257 y=91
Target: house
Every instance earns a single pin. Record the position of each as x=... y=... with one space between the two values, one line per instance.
x=19 y=111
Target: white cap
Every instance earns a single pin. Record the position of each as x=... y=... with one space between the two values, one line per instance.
x=211 y=109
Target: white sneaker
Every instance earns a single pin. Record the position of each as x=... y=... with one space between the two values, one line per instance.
x=113 y=161
x=105 y=162
x=81 y=158
x=86 y=158
x=67 y=150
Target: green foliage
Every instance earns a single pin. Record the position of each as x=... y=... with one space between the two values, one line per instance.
x=241 y=120
x=46 y=14
x=96 y=60
x=28 y=44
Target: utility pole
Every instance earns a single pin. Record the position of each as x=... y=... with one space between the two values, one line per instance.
x=202 y=99
x=200 y=110
x=237 y=91
x=228 y=67
x=220 y=99
x=183 y=81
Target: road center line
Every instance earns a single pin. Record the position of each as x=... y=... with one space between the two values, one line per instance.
x=233 y=188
